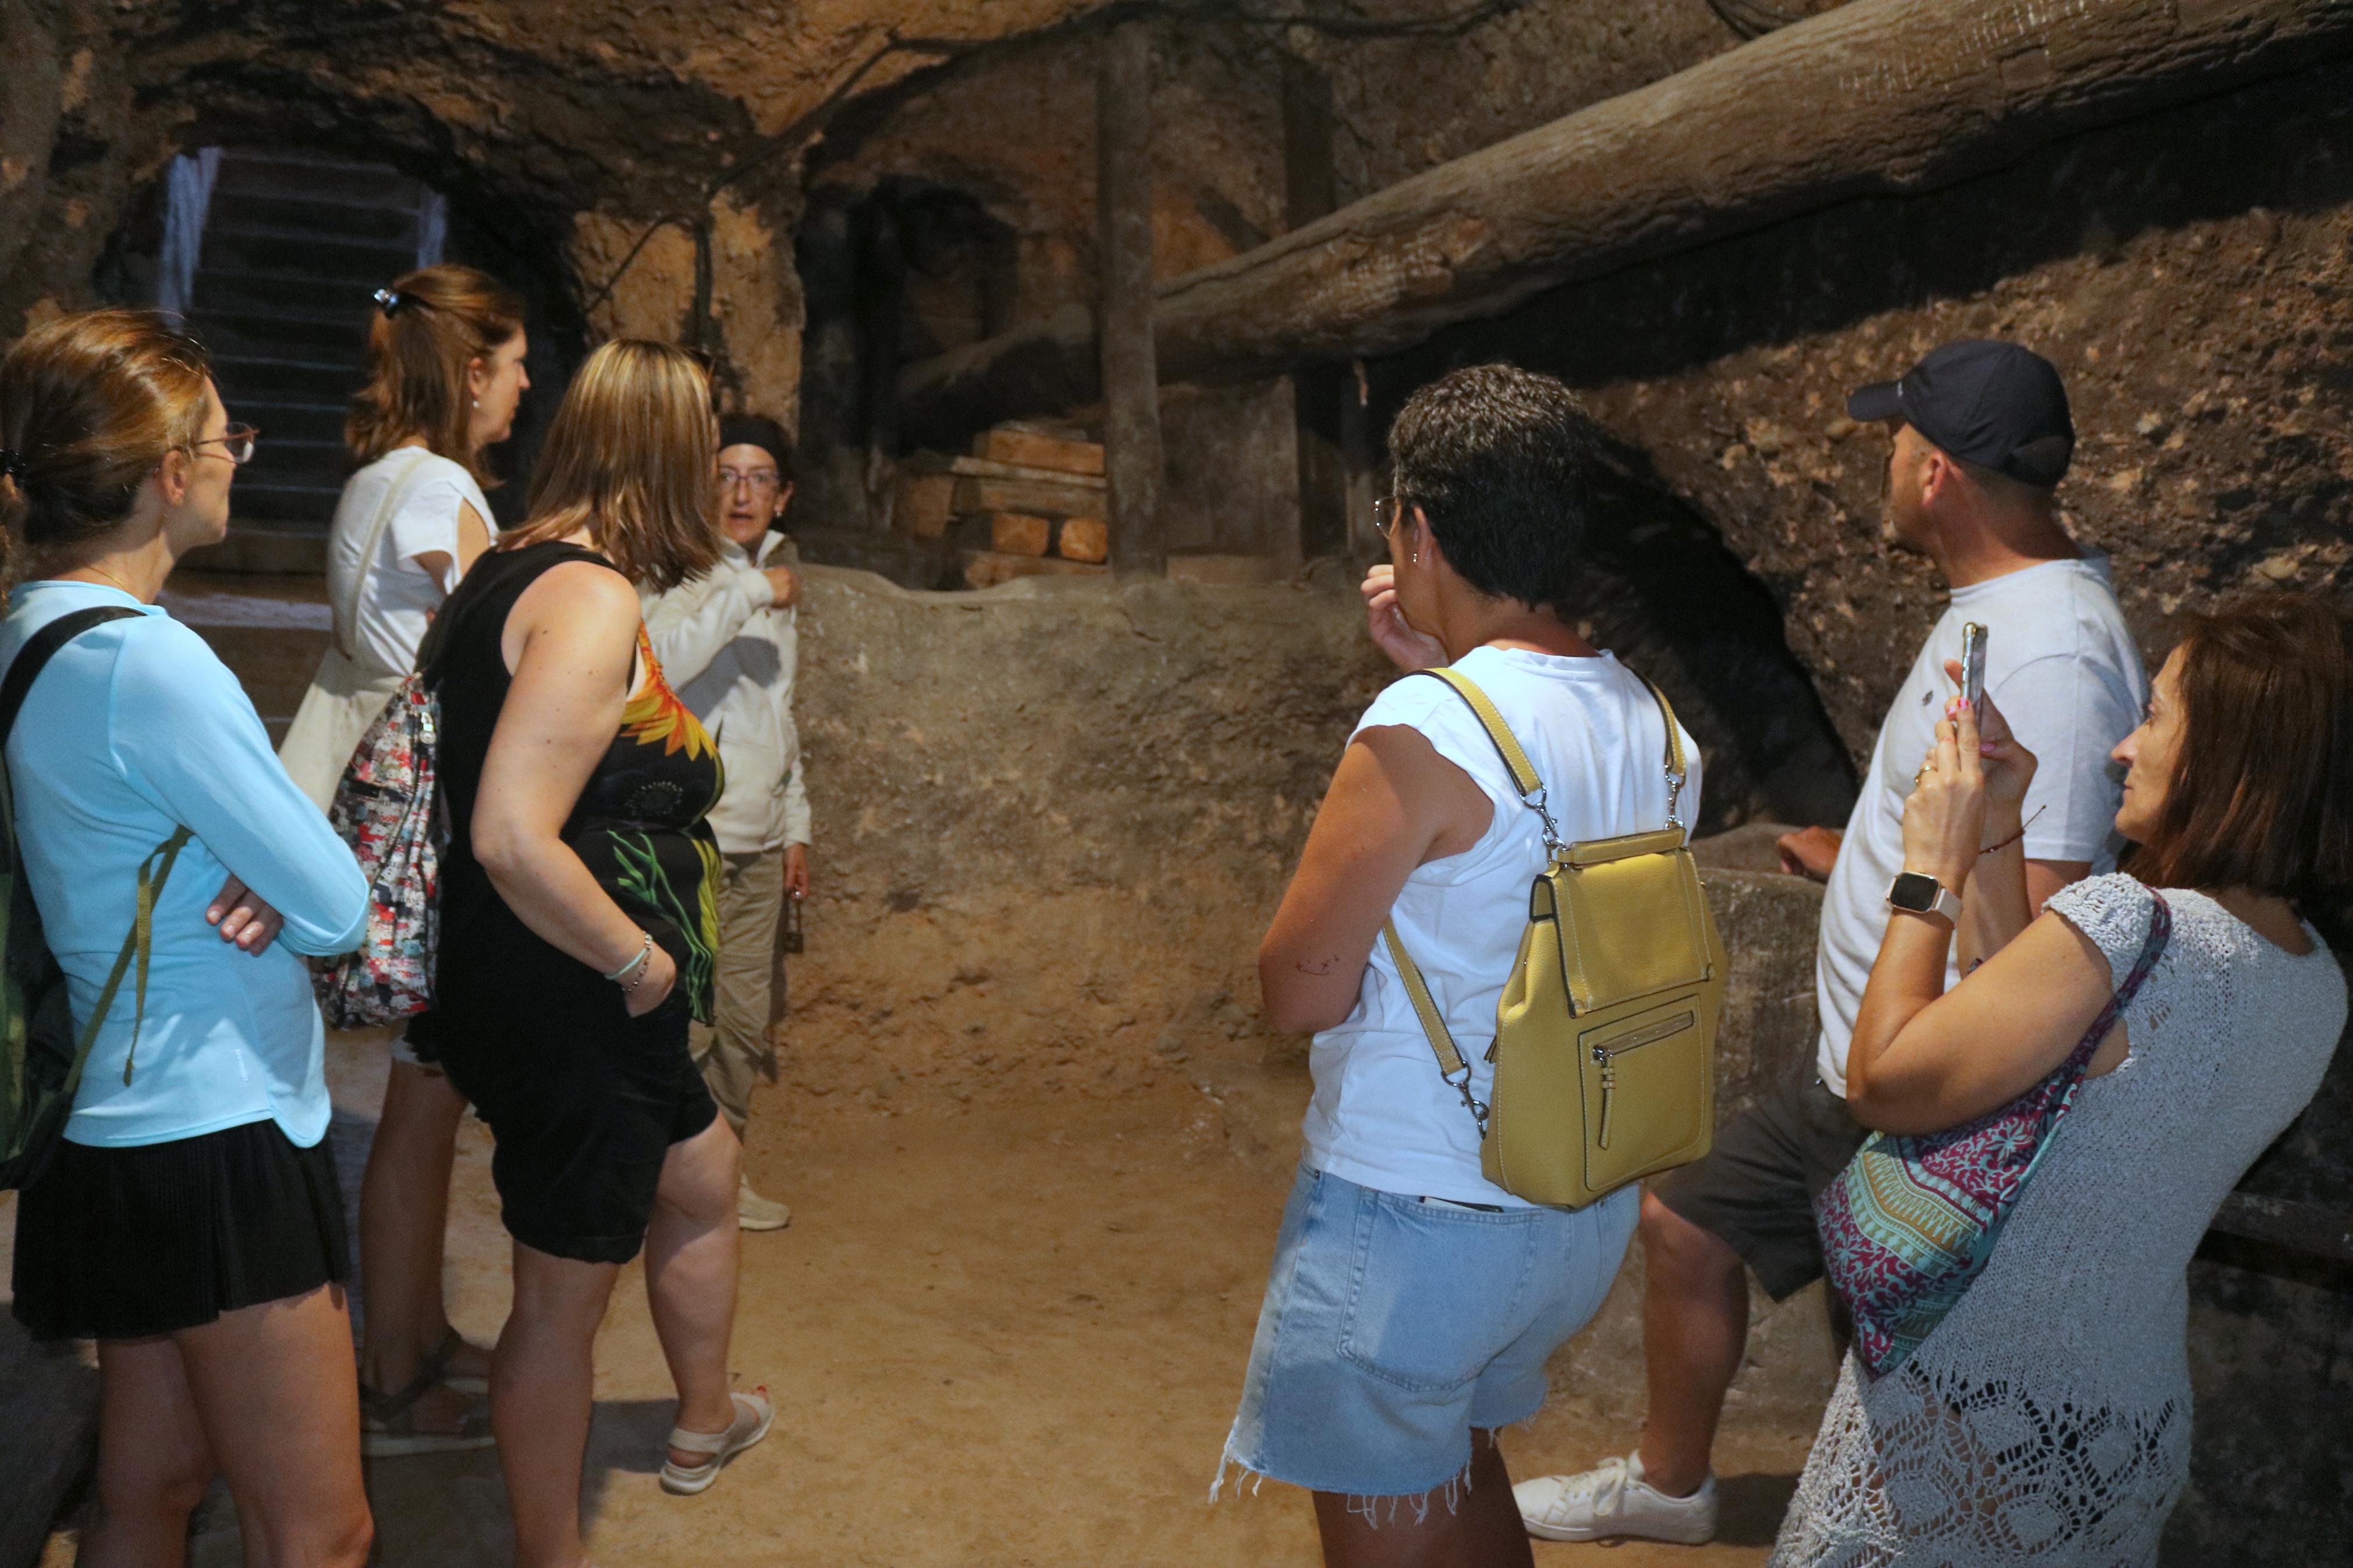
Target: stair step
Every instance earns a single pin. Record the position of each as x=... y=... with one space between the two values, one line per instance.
x=280 y=504
x=265 y=376
x=281 y=422
x=304 y=175
x=317 y=257
x=230 y=290
x=252 y=212
x=341 y=342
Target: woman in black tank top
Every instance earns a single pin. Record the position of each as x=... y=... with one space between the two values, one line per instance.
x=577 y=927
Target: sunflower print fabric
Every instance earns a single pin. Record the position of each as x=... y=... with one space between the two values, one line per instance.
x=639 y=827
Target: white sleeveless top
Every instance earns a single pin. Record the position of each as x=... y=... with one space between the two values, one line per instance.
x=1382 y=1116
x=397 y=596
x=2068 y=1358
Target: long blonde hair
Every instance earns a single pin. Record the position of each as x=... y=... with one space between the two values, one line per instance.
x=632 y=456
x=427 y=329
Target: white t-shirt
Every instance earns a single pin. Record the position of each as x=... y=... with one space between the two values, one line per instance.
x=1382 y=1116
x=2064 y=670
x=397 y=596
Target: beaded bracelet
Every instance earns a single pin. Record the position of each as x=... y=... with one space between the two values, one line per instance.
x=637 y=963
x=2006 y=843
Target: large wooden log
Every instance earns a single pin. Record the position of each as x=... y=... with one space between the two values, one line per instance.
x=1876 y=97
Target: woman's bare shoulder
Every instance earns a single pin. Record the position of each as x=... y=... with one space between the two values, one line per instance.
x=587 y=589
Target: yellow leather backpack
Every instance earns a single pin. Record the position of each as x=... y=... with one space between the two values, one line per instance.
x=1605 y=1037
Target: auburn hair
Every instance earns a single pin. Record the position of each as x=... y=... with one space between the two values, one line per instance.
x=632 y=456
x=2262 y=793
x=429 y=328
x=89 y=404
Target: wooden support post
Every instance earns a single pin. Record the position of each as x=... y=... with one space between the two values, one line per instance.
x=1131 y=370
x=1311 y=190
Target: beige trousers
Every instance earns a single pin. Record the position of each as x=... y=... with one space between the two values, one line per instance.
x=740 y=1044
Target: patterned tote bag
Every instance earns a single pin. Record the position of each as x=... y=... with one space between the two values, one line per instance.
x=388 y=809
x=1913 y=1218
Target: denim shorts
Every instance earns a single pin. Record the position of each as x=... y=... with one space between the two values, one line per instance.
x=1394 y=1326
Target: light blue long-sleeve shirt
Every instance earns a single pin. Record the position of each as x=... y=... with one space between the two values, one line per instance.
x=134 y=728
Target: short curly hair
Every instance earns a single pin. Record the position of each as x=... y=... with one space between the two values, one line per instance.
x=1511 y=471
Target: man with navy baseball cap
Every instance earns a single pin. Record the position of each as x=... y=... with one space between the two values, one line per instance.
x=1980 y=437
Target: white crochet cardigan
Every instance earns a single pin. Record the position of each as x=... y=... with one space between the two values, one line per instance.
x=2046 y=1420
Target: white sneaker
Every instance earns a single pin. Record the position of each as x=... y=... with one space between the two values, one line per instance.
x=753 y=1211
x=1610 y=1501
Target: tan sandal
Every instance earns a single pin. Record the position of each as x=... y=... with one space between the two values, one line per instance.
x=754 y=1415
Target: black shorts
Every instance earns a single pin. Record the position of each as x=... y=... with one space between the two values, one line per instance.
x=123 y=1244
x=583 y=1102
x=1755 y=1189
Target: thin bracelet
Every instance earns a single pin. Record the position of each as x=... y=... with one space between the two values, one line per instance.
x=2006 y=843
x=643 y=954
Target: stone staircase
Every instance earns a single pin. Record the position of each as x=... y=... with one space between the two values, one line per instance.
x=294 y=244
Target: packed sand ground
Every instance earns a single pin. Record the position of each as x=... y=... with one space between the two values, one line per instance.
x=1010 y=1336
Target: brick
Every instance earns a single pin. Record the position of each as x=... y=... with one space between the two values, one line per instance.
x=977 y=496
x=987 y=568
x=926 y=502
x=1034 y=449
x=1020 y=533
x=1084 y=539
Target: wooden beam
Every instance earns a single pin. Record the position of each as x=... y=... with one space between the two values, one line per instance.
x=1875 y=97
x=1124 y=310
x=1310 y=191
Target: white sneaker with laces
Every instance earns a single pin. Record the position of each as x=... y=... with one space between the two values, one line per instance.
x=1612 y=1500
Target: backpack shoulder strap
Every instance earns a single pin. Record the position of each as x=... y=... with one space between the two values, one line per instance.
x=346 y=610
x=1508 y=745
x=1673 y=762
x=42 y=646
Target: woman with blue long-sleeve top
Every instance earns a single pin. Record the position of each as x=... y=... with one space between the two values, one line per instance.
x=189 y=1221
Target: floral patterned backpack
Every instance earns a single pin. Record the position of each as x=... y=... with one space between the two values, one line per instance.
x=388 y=809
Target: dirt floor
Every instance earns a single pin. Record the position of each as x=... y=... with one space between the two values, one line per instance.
x=1003 y=1337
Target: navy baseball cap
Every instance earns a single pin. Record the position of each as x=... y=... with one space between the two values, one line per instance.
x=1993 y=403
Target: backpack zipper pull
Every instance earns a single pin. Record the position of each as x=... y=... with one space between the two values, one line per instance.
x=1609 y=1091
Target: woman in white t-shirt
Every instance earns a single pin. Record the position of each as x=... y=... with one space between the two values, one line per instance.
x=445 y=373
x=1412 y=1303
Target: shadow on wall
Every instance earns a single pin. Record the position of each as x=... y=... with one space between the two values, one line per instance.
x=1662 y=592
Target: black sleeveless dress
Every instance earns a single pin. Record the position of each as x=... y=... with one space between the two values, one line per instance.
x=583 y=1099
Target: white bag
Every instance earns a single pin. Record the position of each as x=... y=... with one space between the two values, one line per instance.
x=345 y=696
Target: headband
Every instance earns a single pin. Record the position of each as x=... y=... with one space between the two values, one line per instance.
x=12 y=464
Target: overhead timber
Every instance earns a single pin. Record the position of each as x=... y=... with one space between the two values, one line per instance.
x=1875 y=97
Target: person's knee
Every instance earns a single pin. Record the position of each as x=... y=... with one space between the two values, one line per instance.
x=1681 y=1254
x=165 y=1488
x=698 y=1178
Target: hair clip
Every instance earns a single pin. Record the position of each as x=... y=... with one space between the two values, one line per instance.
x=12 y=464
x=388 y=303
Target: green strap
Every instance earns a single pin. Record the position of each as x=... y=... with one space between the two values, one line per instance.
x=137 y=946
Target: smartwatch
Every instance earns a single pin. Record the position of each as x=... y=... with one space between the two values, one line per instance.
x=1917 y=893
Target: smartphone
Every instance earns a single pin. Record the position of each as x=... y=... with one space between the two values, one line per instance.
x=1973 y=651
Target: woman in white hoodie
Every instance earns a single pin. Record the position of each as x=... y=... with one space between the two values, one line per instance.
x=728 y=642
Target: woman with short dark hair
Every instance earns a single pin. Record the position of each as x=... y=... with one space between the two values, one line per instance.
x=2045 y=1419
x=1413 y=1303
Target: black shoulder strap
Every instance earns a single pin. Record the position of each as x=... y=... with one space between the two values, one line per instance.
x=37 y=652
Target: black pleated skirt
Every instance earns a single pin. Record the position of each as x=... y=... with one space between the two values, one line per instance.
x=119 y=1243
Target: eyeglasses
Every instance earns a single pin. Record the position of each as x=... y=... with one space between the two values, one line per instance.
x=759 y=481
x=237 y=441
x=1387 y=512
